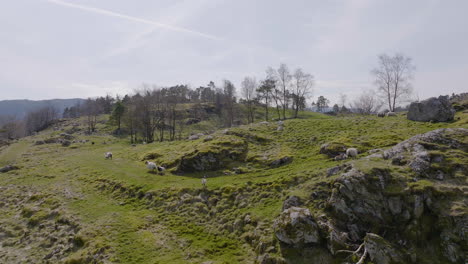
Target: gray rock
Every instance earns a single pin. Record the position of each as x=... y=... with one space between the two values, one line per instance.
x=296 y=227
x=39 y=142
x=208 y=138
x=193 y=137
x=67 y=136
x=8 y=168
x=435 y=109
x=381 y=251
x=280 y=162
x=332 y=149
x=292 y=201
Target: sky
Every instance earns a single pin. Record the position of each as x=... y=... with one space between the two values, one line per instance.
x=87 y=48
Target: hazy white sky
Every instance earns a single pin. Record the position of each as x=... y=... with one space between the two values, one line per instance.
x=81 y=48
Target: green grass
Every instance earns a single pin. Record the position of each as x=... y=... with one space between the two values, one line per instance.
x=108 y=196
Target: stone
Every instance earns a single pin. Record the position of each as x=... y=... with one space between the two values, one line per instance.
x=281 y=161
x=192 y=121
x=296 y=227
x=8 y=168
x=332 y=149
x=67 y=136
x=381 y=251
x=436 y=109
x=292 y=201
x=208 y=138
x=193 y=137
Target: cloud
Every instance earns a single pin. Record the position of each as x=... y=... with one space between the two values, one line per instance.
x=132 y=18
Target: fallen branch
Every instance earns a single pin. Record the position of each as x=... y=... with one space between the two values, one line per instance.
x=352 y=252
x=363 y=257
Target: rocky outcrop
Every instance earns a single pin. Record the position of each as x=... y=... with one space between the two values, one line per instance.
x=380 y=251
x=432 y=109
x=292 y=201
x=332 y=149
x=296 y=227
x=213 y=155
x=401 y=210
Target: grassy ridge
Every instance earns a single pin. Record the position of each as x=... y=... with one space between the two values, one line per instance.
x=137 y=217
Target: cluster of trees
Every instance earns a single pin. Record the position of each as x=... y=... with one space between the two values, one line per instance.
x=392 y=77
x=155 y=113
x=285 y=90
x=34 y=121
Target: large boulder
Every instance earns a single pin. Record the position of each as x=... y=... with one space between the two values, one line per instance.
x=381 y=251
x=296 y=227
x=292 y=201
x=213 y=155
x=332 y=149
x=432 y=109
x=404 y=209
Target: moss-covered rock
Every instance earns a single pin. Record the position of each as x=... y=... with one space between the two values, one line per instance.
x=214 y=155
x=296 y=227
x=332 y=149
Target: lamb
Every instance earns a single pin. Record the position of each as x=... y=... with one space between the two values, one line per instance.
x=390 y=114
x=151 y=165
x=108 y=155
x=352 y=152
x=203 y=181
x=161 y=170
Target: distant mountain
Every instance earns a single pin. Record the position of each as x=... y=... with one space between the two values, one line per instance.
x=20 y=108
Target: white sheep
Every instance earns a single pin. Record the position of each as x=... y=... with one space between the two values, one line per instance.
x=352 y=152
x=151 y=165
x=108 y=155
x=390 y=114
x=203 y=181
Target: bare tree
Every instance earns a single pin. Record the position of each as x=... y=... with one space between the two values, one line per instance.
x=367 y=103
x=248 y=91
x=92 y=109
x=301 y=88
x=264 y=93
x=11 y=127
x=283 y=82
x=393 y=77
x=40 y=119
x=343 y=98
x=229 y=91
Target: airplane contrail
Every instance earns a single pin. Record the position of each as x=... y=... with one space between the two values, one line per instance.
x=132 y=18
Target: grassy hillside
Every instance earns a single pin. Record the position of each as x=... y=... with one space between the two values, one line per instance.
x=74 y=206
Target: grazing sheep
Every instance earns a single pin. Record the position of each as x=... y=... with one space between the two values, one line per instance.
x=341 y=156
x=381 y=114
x=352 y=152
x=390 y=114
x=161 y=170
x=108 y=155
x=203 y=181
x=151 y=165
